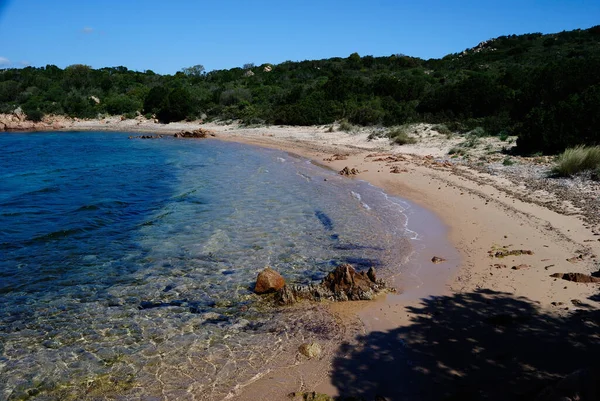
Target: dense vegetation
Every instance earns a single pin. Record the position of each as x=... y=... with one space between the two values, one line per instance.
x=543 y=88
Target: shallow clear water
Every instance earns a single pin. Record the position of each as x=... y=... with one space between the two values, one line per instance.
x=126 y=266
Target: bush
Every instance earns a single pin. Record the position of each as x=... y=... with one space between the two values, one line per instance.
x=575 y=160
x=35 y=115
x=400 y=137
x=346 y=126
x=442 y=129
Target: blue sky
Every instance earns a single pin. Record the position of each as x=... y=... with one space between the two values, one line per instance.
x=167 y=36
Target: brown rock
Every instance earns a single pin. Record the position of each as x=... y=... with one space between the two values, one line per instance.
x=268 y=280
x=349 y=171
x=437 y=259
x=343 y=284
x=577 y=277
x=521 y=266
x=371 y=274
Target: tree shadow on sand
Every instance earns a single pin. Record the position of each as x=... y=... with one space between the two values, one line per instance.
x=483 y=345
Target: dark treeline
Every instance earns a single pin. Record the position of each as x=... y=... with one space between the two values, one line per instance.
x=543 y=88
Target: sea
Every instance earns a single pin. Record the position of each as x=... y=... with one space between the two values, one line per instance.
x=127 y=265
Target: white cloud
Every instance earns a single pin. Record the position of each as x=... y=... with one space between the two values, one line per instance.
x=4 y=61
x=87 y=29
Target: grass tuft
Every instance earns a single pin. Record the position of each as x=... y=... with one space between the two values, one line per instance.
x=399 y=136
x=575 y=160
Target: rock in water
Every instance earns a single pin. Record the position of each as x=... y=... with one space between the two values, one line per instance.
x=437 y=259
x=268 y=280
x=346 y=284
x=310 y=350
x=342 y=284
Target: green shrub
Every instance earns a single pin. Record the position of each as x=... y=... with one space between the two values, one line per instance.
x=346 y=126
x=504 y=136
x=35 y=115
x=478 y=131
x=575 y=160
x=399 y=136
x=457 y=151
x=471 y=141
x=442 y=129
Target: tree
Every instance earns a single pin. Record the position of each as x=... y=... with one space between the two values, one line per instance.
x=194 y=71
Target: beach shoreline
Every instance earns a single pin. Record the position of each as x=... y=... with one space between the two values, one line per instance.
x=482 y=212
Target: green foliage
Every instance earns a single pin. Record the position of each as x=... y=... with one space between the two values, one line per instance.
x=176 y=107
x=543 y=88
x=121 y=104
x=443 y=129
x=346 y=126
x=577 y=159
x=34 y=115
x=457 y=151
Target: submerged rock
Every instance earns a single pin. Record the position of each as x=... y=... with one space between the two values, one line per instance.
x=342 y=284
x=437 y=259
x=268 y=280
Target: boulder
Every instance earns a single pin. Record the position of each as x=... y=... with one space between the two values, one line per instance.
x=268 y=280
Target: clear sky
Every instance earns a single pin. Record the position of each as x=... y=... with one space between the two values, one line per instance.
x=165 y=36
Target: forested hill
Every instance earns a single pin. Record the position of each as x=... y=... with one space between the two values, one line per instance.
x=544 y=88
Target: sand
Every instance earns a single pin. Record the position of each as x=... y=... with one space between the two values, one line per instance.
x=473 y=209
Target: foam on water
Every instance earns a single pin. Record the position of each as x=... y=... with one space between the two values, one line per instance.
x=126 y=266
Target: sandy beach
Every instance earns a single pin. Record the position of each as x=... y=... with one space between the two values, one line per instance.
x=483 y=320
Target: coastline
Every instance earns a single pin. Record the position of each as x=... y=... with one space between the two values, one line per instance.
x=480 y=212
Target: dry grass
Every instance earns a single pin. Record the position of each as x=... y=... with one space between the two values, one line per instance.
x=575 y=160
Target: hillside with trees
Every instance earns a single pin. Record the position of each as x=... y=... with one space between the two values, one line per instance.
x=543 y=88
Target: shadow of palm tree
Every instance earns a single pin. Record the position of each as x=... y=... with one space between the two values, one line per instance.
x=484 y=345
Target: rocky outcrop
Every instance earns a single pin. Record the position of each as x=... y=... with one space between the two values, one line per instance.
x=343 y=284
x=146 y=137
x=17 y=121
x=577 y=277
x=349 y=171
x=267 y=281
x=197 y=133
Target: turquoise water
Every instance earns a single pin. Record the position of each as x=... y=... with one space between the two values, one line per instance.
x=126 y=265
